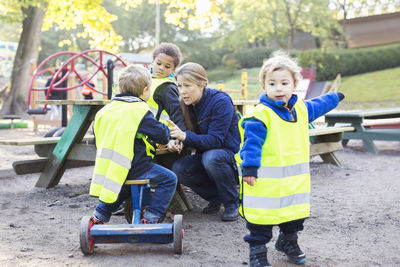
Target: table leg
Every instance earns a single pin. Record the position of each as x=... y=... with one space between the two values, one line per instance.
x=370 y=146
x=74 y=133
x=331 y=158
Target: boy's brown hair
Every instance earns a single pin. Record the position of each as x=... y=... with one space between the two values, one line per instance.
x=133 y=79
x=169 y=49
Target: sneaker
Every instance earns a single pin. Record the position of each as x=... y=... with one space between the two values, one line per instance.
x=120 y=211
x=211 y=208
x=258 y=256
x=230 y=214
x=144 y=221
x=287 y=243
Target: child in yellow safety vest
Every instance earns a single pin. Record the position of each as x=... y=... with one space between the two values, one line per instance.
x=274 y=160
x=122 y=129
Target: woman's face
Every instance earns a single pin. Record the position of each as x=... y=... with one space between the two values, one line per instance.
x=190 y=91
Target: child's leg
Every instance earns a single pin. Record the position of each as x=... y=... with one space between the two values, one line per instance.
x=287 y=241
x=259 y=234
x=165 y=181
x=258 y=237
x=103 y=210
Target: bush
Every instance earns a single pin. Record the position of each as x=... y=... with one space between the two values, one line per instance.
x=350 y=61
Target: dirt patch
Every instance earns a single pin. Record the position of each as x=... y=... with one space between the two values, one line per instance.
x=355 y=218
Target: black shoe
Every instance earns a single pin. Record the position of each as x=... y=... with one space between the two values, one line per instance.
x=120 y=211
x=230 y=214
x=287 y=243
x=258 y=256
x=211 y=208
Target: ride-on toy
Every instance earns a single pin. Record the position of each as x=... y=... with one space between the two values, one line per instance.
x=91 y=234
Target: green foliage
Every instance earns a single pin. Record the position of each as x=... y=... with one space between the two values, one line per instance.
x=350 y=61
x=201 y=52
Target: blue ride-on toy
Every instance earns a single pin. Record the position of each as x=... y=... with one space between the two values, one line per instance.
x=135 y=232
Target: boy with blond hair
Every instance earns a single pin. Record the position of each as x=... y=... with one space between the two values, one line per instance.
x=122 y=129
x=274 y=169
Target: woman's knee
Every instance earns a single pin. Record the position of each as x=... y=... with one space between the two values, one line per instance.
x=215 y=158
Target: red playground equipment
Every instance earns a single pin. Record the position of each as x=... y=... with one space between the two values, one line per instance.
x=68 y=69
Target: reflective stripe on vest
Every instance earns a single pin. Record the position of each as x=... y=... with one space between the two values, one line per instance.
x=115 y=157
x=282 y=172
x=282 y=190
x=156 y=83
x=115 y=128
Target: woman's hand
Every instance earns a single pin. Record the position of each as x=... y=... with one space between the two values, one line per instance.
x=250 y=180
x=175 y=146
x=175 y=132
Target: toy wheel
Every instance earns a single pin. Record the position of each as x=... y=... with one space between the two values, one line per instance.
x=128 y=210
x=178 y=234
x=51 y=132
x=87 y=242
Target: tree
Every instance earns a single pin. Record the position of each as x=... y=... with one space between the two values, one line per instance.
x=36 y=14
x=260 y=21
x=67 y=15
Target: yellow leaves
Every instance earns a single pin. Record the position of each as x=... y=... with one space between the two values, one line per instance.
x=91 y=15
x=182 y=12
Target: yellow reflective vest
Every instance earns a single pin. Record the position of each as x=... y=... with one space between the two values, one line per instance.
x=115 y=128
x=282 y=190
x=155 y=83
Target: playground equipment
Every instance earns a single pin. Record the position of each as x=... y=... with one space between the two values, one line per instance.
x=91 y=234
x=63 y=79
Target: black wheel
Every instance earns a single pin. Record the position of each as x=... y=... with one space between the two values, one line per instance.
x=177 y=230
x=86 y=241
x=51 y=132
x=128 y=210
x=59 y=132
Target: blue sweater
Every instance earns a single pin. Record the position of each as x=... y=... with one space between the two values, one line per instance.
x=256 y=133
x=216 y=121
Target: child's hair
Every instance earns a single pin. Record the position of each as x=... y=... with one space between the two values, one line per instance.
x=280 y=60
x=170 y=50
x=134 y=78
x=193 y=72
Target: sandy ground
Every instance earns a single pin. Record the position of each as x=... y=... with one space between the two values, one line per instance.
x=355 y=218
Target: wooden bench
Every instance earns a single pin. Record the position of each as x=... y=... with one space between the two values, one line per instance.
x=325 y=141
x=43 y=147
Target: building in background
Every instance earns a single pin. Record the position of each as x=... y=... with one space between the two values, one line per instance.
x=7 y=54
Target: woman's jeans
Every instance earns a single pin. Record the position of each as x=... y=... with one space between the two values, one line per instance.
x=165 y=182
x=262 y=234
x=211 y=175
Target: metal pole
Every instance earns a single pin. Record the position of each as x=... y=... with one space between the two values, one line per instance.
x=110 y=78
x=157 y=22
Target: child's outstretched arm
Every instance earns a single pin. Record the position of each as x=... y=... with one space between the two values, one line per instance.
x=321 y=105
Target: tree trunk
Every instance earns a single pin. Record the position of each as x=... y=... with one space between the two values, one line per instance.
x=27 y=52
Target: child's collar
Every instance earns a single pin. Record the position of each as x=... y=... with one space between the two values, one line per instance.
x=279 y=103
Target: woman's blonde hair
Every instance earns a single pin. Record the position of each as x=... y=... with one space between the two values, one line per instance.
x=280 y=60
x=193 y=72
x=134 y=78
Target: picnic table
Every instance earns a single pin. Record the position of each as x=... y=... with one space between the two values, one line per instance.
x=364 y=132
